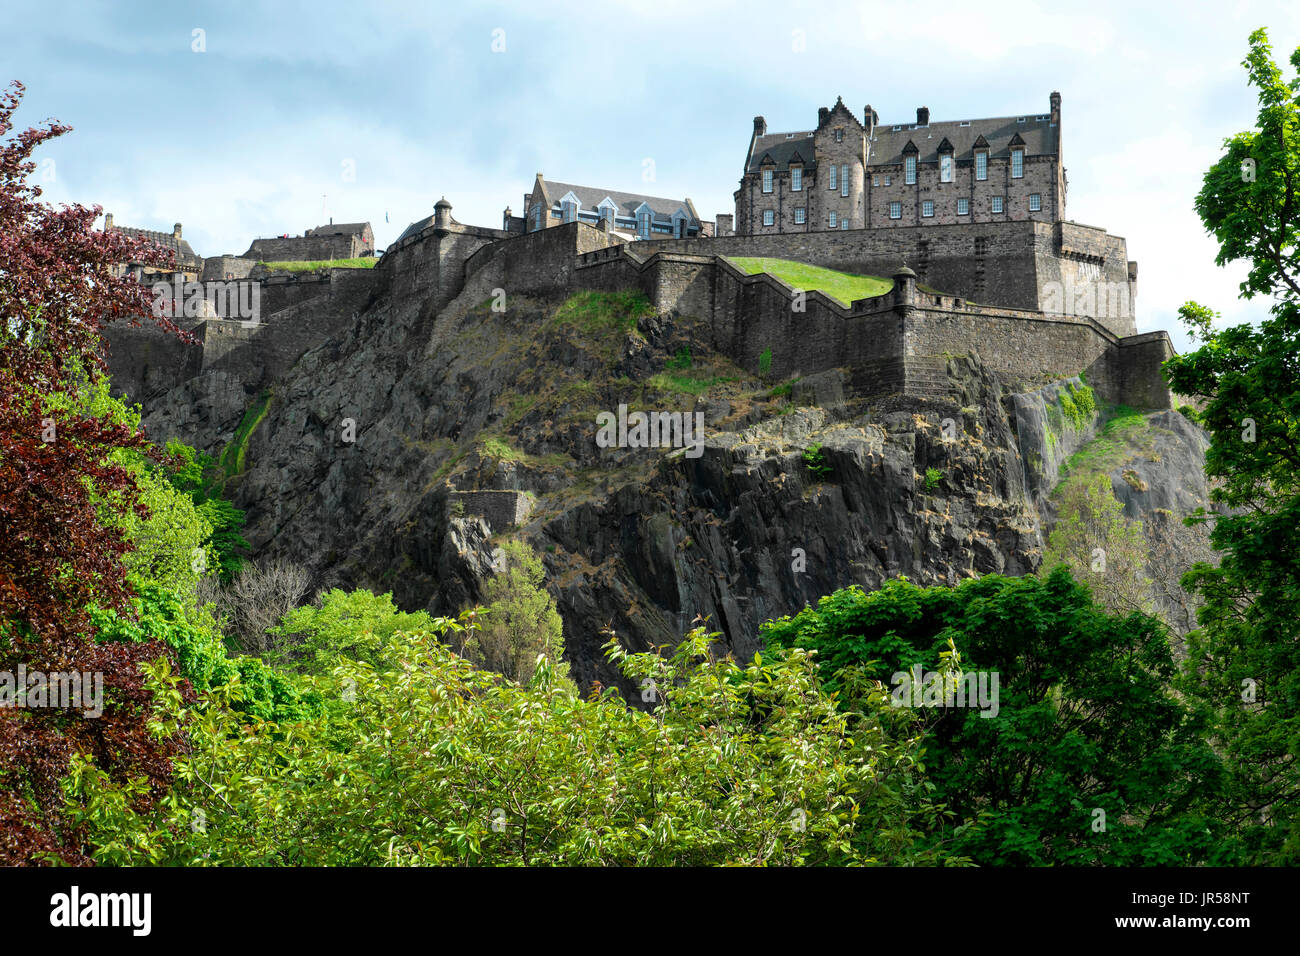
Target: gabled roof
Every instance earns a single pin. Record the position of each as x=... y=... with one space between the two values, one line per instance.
x=1038 y=137
x=627 y=203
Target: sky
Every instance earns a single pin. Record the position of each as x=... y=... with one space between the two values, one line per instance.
x=243 y=119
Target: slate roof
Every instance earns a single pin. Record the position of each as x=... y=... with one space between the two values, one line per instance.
x=1039 y=136
x=782 y=148
x=627 y=203
x=184 y=252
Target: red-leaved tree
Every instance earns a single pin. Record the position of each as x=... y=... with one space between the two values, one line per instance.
x=57 y=557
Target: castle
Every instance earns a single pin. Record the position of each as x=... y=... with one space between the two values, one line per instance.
x=850 y=174
x=1035 y=296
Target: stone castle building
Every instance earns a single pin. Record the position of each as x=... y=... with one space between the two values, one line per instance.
x=632 y=215
x=852 y=173
x=188 y=262
x=348 y=240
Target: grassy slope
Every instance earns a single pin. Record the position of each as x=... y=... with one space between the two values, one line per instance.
x=312 y=265
x=843 y=286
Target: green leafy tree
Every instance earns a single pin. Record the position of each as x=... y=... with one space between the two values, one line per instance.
x=429 y=760
x=1099 y=545
x=1245 y=657
x=520 y=624
x=1085 y=720
x=357 y=625
x=198 y=475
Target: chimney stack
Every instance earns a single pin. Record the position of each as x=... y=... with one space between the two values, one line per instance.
x=1055 y=100
x=869 y=119
x=822 y=114
x=760 y=126
x=923 y=116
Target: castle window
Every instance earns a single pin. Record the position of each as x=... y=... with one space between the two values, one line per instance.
x=895 y=210
x=839 y=135
x=767 y=180
x=844 y=180
x=844 y=223
x=1017 y=163
x=832 y=220
x=1035 y=202
x=945 y=168
x=997 y=203
x=796 y=178
x=927 y=208
x=963 y=207
x=875 y=180
x=769 y=217
x=909 y=170
x=886 y=180
x=800 y=215
x=982 y=165
x=833 y=179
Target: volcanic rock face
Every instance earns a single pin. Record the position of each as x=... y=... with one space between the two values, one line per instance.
x=798 y=490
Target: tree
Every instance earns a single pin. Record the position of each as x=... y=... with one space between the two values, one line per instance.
x=1079 y=754
x=1099 y=545
x=57 y=472
x=1245 y=657
x=520 y=622
x=257 y=600
x=356 y=625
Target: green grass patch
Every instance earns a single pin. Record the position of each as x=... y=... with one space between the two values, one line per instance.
x=845 y=287
x=685 y=384
x=1121 y=437
x=596 y=312
x=1078 y=406
x=681 y=362
x=499 y=448
x=311 y=265
x=232 y=457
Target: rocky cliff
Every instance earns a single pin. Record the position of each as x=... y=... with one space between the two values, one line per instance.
x=352 y=461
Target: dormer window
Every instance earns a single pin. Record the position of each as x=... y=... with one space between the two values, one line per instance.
x=1017 y=163
x=982 y=164
x=643 y=222
x=945 y=168
x=767 y=180
x=568 y=210
x=796 y=178
x=909 y=170
x=607 y=211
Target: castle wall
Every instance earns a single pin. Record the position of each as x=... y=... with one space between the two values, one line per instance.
x=1064 y=268
x=304 y=249
x=993 y=264
x=219 y=267
x=145 y=361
